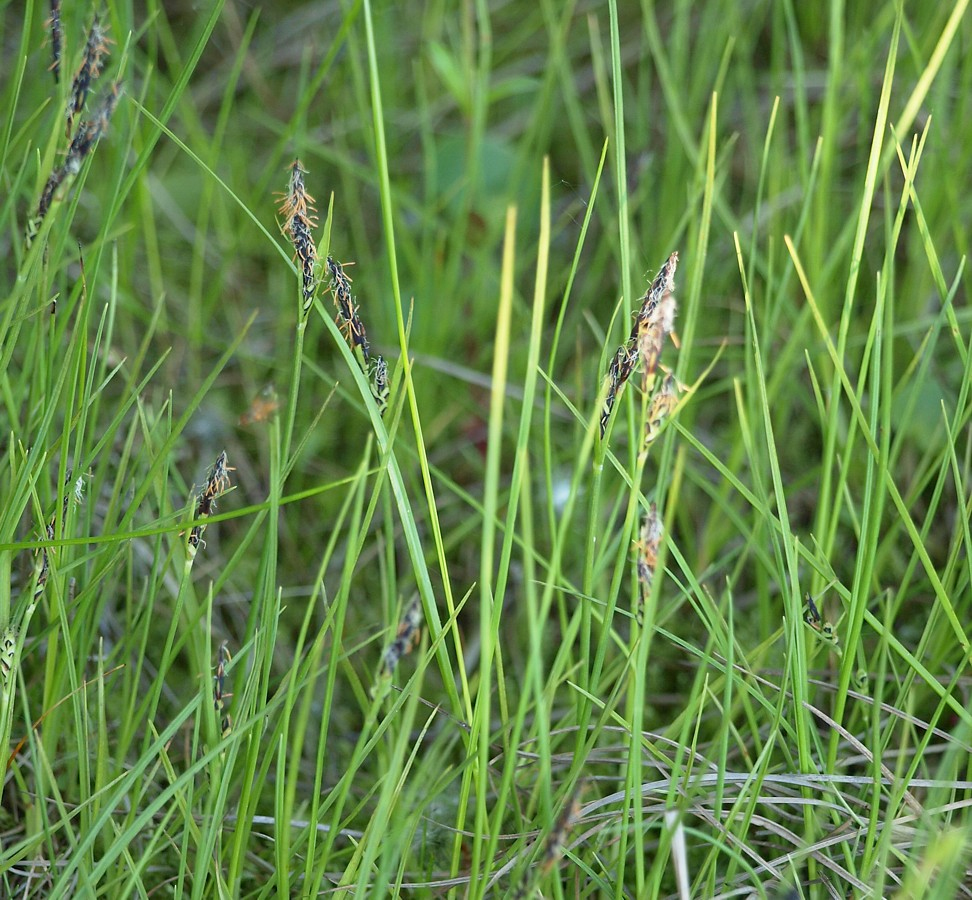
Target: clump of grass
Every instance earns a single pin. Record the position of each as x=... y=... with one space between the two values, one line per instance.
x=714 y=711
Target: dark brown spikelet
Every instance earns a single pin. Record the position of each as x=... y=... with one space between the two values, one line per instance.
x=341 y=289
x=88 y=134
x=348 y=319
x=812 y=615
x=654 y=320
x=220 y=694
x=195 y=535
x=217 y=483
x=621 y=368
x=407 y=636
x=647 y=546
x=54 y=24
x=826 y=629
x=297 y=201
x=661 y=288
x=307 y=254
x=379 y=383
x=91 y=131
x=47 y=197
x=300 y=218
x=662 y=404
x=92 y=63
x=651 y=338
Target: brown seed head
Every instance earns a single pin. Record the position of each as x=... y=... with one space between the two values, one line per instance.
x=54 y=24
x=406 y=638
x=664 y=401
x=92 y=63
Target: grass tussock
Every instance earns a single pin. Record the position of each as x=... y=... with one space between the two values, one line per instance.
x=468 y=617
